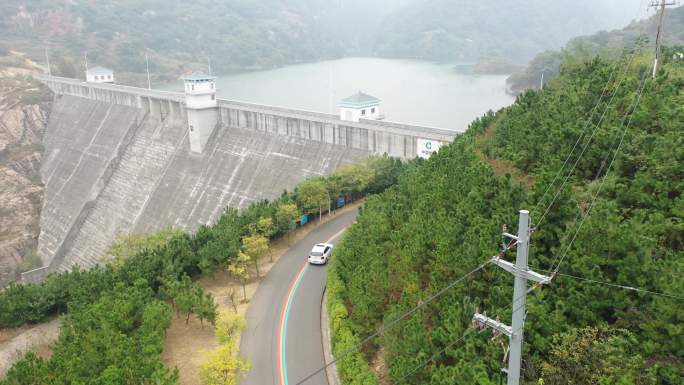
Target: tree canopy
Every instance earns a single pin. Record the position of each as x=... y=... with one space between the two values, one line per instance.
x=445 y=215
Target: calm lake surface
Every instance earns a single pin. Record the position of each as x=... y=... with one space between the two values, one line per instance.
x=411 y=91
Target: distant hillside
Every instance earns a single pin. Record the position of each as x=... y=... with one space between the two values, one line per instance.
x=609 y=44
x=246 y=34
x=179 y=35
x=492 y=31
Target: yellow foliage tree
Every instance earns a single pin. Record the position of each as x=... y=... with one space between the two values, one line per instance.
x=223 y=366
x=256 y=246
x=238 y=270
x=228 y=325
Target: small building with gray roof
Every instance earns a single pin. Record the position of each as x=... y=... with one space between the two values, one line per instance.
x=360 y=106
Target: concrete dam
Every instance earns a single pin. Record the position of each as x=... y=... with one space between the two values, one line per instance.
x=120 y=160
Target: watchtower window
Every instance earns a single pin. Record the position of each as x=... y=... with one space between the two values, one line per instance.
x=363 y=112
x=373 y=110
x=193 y=87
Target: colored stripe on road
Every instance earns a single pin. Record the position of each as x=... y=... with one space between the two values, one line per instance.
x=282 y=361
x=285 y=314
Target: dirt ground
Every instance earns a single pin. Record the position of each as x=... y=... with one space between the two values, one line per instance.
x=185 y=346
x=14 y=343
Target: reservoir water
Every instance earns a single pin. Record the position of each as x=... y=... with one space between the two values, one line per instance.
x=411 y=91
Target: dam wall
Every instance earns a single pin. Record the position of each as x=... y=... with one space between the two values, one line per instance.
x=112 y=170
x=374 y=136
x=118 y=161
x=82 y=143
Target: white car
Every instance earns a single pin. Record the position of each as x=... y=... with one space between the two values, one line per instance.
x=320 y=253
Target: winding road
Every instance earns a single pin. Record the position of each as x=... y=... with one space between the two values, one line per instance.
x=283 y=337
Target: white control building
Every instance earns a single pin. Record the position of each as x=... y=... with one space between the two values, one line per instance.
x=99 y=75
x=360 y=106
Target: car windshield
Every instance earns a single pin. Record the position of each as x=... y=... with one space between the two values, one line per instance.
x=316 y=253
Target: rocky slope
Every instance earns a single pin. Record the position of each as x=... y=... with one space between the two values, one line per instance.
x=23 y=113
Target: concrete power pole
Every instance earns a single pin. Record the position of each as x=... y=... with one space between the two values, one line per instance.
x=522 y=275
x=147 y=66
x=85 y=60
x=659 y=36
x=47 y=60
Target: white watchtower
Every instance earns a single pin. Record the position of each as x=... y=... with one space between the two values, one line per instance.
x=360 y=106
x=201 y=107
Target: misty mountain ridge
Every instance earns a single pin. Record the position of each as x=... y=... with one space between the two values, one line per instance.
x=604 y=43
x=244 y=35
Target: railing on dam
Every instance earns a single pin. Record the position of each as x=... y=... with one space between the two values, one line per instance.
x=375 y=136
x=427 y=132
x=56 y=81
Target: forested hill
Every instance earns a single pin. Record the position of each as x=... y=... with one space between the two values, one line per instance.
x=609 y=44
x=180 y=35
x=494 y=32
x=445 y=217
x=245 y=34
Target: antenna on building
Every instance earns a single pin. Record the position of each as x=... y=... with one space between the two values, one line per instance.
x=147 y=66
x=47 y=60
x=659 y=37
x=85 y=55
x=209 y=62
x=330 y=89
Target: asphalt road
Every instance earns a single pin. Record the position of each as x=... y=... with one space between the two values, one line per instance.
x=283 y=337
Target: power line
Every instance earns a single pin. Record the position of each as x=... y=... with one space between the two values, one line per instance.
x=434 y=356
x=659 y=35
x=579 y=139
x=605 y=176
x=588 y=142
x=394 y=322
x=463 y=336
x=591 y=115
x=625 y=287
x=628 y=118
x=630 y=288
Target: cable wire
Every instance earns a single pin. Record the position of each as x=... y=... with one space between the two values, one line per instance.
x=579 y=139
x=591 y=114
x=588 y=142
x=628 y=118
x=464 y=335
x=625 y=287
x=434 y=356
x=394 y=322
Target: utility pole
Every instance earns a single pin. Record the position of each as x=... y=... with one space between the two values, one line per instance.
x=522 y=275
x=147 y=66
x=659 y=36
x=47 y=60
x=85 y=56
x=209 y=62
x=541 y=83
